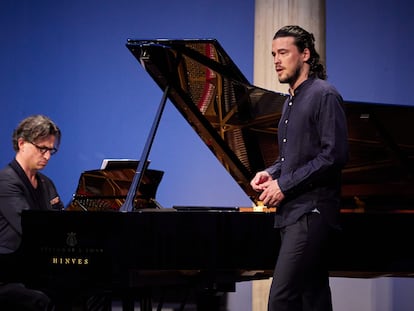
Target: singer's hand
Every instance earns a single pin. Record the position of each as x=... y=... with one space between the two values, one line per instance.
x=271 y=195
x=258 y=182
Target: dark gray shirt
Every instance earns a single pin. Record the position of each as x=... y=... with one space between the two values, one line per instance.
x=313 y=149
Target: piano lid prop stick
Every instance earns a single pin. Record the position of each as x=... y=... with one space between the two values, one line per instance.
x=128 y=205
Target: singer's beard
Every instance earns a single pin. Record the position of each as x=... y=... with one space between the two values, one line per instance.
x=291 y=79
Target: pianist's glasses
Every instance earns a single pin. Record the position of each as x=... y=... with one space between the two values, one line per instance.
x=44 y=149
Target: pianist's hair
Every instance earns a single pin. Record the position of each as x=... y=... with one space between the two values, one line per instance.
x=34 y=128
x=303 y=40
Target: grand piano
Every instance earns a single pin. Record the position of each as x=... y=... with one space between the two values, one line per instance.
x=115 y=238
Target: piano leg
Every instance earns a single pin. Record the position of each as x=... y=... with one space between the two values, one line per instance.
x=128 y=304
x=203 y=300
x=145 y=302
x=211 y=301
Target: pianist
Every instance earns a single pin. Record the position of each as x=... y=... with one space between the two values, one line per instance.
x=23 y=187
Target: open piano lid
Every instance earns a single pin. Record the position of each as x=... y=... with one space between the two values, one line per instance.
x=238 y=122
x=234 y=118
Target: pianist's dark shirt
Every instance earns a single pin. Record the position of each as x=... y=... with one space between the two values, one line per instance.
x=17 y=194
x=313 y=149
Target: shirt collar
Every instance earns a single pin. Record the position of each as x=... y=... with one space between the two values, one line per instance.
x=301 y=86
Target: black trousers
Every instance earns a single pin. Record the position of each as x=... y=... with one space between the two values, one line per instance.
x=301 y=278
x=14 y=295
x=17 y=297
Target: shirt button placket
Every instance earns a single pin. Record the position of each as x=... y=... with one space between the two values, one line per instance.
x=284 y=140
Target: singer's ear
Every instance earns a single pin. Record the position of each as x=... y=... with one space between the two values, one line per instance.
x=306 y=55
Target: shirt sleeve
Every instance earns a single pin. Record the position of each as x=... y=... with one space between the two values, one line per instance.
x=274 y=169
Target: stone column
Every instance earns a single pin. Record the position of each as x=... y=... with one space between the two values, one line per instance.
x=270 y=15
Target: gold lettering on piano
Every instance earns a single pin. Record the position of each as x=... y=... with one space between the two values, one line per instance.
x=71 y=250
x=72 y=253
x=73 y=261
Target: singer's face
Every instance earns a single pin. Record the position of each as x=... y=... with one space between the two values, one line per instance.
x=290 y=63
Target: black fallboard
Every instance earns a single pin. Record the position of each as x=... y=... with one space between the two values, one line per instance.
x=111 y=249
x=164 y=247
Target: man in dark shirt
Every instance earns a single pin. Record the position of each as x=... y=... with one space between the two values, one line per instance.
x=23 y=187
x=304 y=182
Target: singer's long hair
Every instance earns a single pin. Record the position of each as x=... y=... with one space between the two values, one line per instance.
x=304 y=39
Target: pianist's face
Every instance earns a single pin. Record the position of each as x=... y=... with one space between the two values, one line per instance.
x=34 y=156
x=290 y=63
